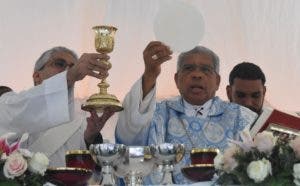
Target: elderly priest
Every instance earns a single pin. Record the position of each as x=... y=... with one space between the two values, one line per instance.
x=196 y=118
x=46 y=110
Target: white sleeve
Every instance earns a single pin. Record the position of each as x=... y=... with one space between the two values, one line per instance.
x=39 y=108
x=137 y=114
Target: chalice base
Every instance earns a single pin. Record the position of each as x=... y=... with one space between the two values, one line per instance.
x=99 y=102
x=133 y=180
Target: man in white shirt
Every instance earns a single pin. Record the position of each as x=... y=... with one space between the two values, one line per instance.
x=46 y=111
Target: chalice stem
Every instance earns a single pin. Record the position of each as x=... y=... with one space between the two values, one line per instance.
x=103 y=85
x=108 y=177
x=167 y=178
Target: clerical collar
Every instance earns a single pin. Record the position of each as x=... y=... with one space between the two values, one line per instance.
x=195 y=110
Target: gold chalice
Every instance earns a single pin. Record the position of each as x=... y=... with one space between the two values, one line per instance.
x=104 y=43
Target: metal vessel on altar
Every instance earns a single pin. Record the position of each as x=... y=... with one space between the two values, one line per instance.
x=136 y=163
x=107 y=155
x=166 y=155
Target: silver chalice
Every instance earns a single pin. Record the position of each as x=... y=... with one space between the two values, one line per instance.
x=166 y=155
x=107 y=155
x=137 y=163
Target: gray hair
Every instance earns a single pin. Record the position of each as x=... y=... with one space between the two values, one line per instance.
x=200 y=50
x=44 y=58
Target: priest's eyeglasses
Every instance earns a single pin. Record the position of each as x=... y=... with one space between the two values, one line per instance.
x=60 y=64
x=206 y=69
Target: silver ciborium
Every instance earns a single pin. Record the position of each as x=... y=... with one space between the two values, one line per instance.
x=107 y=155
x=166 y=155
x=137 y=163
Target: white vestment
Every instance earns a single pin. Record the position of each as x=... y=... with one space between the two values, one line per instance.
x=44 y=112
x=137 y=115
x=39 y=108
x=55 y=141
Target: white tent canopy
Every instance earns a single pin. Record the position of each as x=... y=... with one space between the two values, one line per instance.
x=265 y=32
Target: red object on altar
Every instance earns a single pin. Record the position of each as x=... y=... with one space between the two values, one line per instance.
x=80 y=159
x=68 y=176
x=275 y=120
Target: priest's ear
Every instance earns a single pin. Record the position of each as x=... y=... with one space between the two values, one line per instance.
x=229 y=92
x=37 y=78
